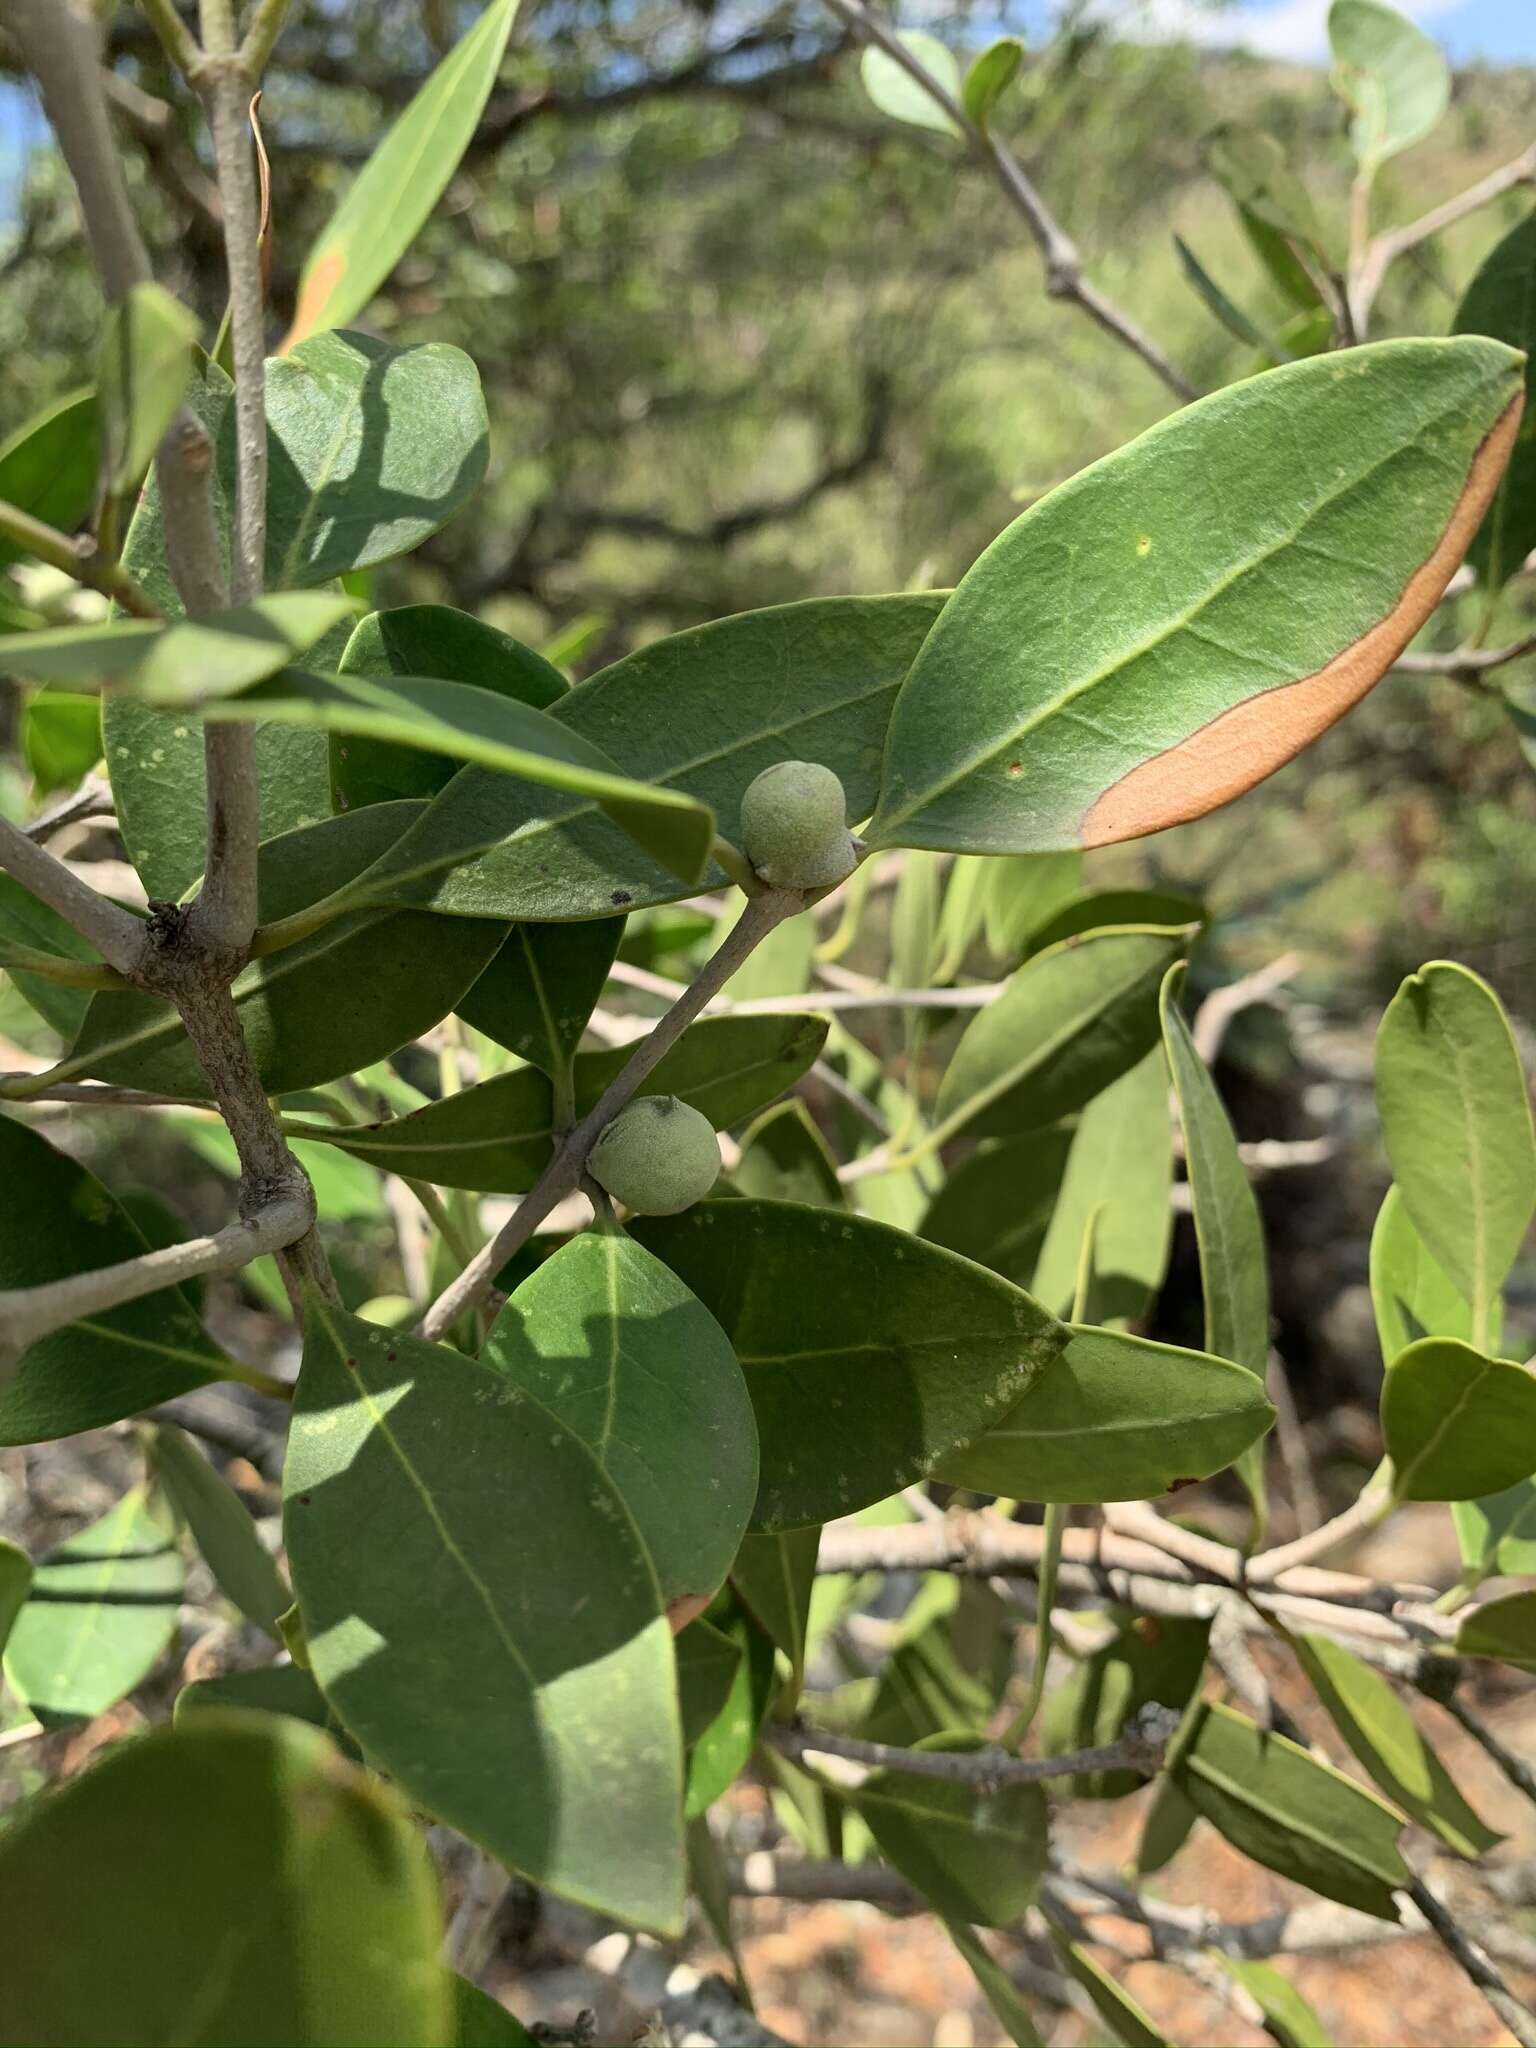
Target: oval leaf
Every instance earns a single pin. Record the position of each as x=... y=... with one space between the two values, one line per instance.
x=976 y=1855
x=609 y=1340
x=198 y=1822
x=100 y=1614
x=1457 y=1424
x=990 y=76
x=1116 y=1418
x=56 y=1220
x=542 y=986
x=1410 y=1293
x=899 y=1350
x=49 y=467
x=222 y=1530
x=1500 y=302
x=515 y=1567
x=1505 y=1629
x=896 y=92
x=1391 y=73
x=1456 y=1121
x=1195 y=647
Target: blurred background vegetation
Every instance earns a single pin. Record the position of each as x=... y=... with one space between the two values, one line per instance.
x=744 y=339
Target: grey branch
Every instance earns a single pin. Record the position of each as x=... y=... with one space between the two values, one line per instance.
x=1465 y=664
x=27 y=1313
x=92 y=799
x=1064 y=277
x=1476 y=1966
x=116 y=934
x=563 y=1174
x=1140 y=1749
x=1384 y=250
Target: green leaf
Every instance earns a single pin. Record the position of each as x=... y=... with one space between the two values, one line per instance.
x=900 y=1351
x=144 y=365
x=15 y=1578
x=977 y=1855
x=1456 y=1424
x=1410 y=1293
x=1382 y=1734
x=1126 y=2020
x=1227 y=312
x=1115 y=1418
x=1289 y=1811
x=1196 y=648
x=606 y=1339
x=775 y=1576
x=428 y=640
x=1150 y=1658
x=926 y=1685
x=700 y=713
x=1022 y=892
x=1456 y=1121
x=272 y=1689
x=1069 y=1022
x=57 y=1220
x=351 y=993
x=268 y=1890
x=61 y=739
x=1288 y=2018
x=542 y=986
x=1119 y=1170
x=467 y=723
x=222 y=1529
x=100 y=1614
x=707 y=1663
x=49 y=467
x=188 y=663
x=997 y=1204
x=483 y=2022
x=1391 y=74
x=722 y=1750
x=1096 y=908
x=784 y=1158
x=1166 y=1829
x=896 y=92
x=516 y=1570
x=997 y=1987
x=1505 y=1629
x=1252 y=167
x=498 y=1136
x=962 y=915
x=24 y=921
x=1498 y=1532
x=1501 y=301
x=392 y=196
x=988 y=78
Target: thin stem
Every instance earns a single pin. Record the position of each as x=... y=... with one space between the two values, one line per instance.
x=78 y=559
x=55 y=967
x=266 y=26
x=1515 y=1768
x=1050 y=1559
x=1375 y=1503
x=1137 y=1750
x=1464 y=664
x=1357 y=301
x=177 y=39
x=1474 y=1964
x=116 y=934
x=563 y=1174
x=1064 y=277
x=1379 y=255
x=438 y=1215
x=27 y=1313
x=93 y=799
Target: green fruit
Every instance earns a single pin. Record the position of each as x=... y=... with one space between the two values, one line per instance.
x=794 y=826
x=657 y=1156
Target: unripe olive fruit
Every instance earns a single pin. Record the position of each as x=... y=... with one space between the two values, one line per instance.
x=657 y=1156
x=794 y=826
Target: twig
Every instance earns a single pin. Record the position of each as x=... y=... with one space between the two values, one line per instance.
x=563 y=1174
x=1141 y=1749
x=1374 y=1503
x=1064 y=277
x=93 y=799
x=177 y=38
x=86 y=1095
x=57 y=967
x=1464 y=664
x=689 y=2007
x=1475 y=1965
x=27 y=1313
x=1515 y=1768
x=78 y=559
x=116 y=934
x=1223 y=1004
x=24 y=1731
x=266 y=26
x=1382 y=252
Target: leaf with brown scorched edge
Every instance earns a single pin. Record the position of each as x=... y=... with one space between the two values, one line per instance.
x=542 y=986
x=700 y=713
x=515 y=1565
x=1115 y=1418
x=352 y=992
x=1069 y=1022
x=57 y=1220
x=975 y=1852
x=1456 y=1122
x=1457 y=1425
x=1290 y=1811
x=466 y=723
x=611 y=1342
x=899 y=1350
x=268 y=1889
x=1139 y=648
x=1383 y=1734
x=428 y=640
x=497 y=1137
x=101 y=1611
x=391 y=197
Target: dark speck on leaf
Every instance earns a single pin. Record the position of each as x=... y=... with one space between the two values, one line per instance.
x=1178 y=1485
x=305 y=1499
x=390 y=1357
x=621 y=896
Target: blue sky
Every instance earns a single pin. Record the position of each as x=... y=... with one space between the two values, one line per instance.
x=1502 y=31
